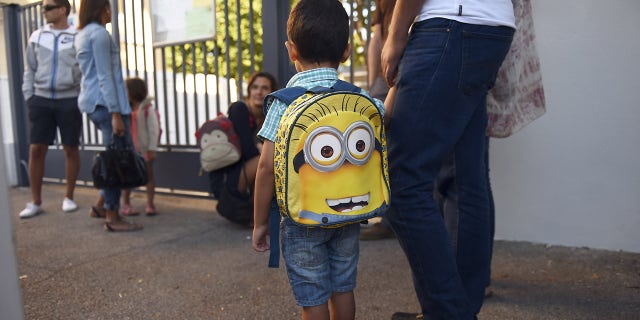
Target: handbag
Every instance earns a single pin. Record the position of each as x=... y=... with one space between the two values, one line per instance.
x=119 y=166
x=235 y=208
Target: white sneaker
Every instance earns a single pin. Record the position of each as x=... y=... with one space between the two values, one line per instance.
x=30 y=211
x=68 y=205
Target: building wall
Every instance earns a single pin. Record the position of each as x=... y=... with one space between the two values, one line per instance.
x=572 y=177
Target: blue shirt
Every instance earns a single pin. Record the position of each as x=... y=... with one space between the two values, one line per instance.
x=325 y=77
x=102 y=82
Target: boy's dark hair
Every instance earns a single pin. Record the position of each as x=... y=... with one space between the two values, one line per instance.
x=319 y=29
x=137 y=90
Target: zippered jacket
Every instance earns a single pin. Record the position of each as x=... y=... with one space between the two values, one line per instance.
x=51 y=69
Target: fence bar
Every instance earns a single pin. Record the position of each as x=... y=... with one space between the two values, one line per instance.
x=12 y=32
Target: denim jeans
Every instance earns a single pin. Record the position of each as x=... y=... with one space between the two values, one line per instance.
x=444 y=75
x=446 y=195
x=101 y=118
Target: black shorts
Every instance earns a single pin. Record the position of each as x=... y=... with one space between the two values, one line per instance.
x=46 y=115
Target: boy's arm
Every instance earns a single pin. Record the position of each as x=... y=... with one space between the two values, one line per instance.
x=264 y=191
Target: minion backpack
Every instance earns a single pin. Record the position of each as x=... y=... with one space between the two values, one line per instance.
x=330 y=156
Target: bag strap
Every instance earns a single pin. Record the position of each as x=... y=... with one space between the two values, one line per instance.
x=288 y=95
x=274 y=234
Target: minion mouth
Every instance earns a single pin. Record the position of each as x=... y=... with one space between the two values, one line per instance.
x=349 y=204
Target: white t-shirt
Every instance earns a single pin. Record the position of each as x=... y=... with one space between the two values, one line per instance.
x=482 y=12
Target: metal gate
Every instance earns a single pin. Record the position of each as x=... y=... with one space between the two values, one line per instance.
x=191 y=81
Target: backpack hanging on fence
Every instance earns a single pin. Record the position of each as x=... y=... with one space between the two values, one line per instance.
x=218 y=142
x=330 y=157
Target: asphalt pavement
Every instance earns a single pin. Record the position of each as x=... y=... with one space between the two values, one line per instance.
x=190 y=263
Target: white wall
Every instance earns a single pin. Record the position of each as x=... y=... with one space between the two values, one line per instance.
x=572 y=177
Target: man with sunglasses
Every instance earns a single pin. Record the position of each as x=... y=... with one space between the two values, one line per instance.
x=51 y=86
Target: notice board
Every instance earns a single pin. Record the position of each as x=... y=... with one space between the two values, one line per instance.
x=182 y=21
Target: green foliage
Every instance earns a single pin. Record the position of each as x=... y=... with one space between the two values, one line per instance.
x=240 y=60
x=213 y=60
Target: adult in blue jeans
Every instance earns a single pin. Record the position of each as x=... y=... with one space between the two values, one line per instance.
x=103 y=97
x=442 y=70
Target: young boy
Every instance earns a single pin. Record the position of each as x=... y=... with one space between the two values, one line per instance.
x=321 y=262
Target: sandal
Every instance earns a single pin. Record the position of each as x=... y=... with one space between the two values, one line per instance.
x=128 y=210
x=151 y=210
x=121 y=226
x=97 y=212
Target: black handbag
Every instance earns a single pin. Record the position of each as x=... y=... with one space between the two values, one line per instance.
x=119 y=166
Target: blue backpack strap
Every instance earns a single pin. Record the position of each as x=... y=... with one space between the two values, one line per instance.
x=286 y=95
x=274 y=234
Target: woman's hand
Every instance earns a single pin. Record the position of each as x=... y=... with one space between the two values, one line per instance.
x=117 y=124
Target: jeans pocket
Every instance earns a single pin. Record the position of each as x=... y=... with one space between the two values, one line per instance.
x=482 y=55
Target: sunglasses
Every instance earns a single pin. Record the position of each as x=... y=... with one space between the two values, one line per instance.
x=50 y=7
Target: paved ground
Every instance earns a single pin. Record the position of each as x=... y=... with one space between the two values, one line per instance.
x=189 y=263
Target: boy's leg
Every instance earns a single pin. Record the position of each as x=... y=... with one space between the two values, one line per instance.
x=320 y=312
x=37 y=155
x=42 y=131
x=69 y=121
x=151 y=186
x=342 y=306
x=72 y=167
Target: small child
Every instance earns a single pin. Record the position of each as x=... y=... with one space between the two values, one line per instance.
x=322 y=279
x=145 y=131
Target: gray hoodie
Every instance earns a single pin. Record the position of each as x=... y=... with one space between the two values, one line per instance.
x=51 y=69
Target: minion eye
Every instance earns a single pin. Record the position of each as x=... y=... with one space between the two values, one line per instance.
x=360 y=142
x=326 y=148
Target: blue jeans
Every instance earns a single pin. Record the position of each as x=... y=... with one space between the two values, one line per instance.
x=444 y=75
x=101 y=118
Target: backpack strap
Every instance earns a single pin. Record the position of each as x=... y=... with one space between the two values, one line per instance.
x=288 y=95
x=274 y=234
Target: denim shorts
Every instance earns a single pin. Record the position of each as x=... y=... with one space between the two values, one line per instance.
x=319 y=261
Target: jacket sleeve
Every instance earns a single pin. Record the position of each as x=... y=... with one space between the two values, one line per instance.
x=30 y=65
x=153 y=127
x=239 y=116
x=101 y=47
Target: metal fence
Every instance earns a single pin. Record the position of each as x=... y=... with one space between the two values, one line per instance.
x=191 y=81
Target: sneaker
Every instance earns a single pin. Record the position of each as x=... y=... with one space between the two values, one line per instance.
x=376 y=232
x=68 y=205
x=31 y=210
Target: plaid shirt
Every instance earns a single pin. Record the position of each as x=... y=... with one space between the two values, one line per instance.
x=325 y=77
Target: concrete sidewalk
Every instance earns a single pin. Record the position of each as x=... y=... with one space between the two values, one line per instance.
x=189 y=263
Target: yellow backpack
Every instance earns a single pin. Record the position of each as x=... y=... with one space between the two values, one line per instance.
x=330 y=156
